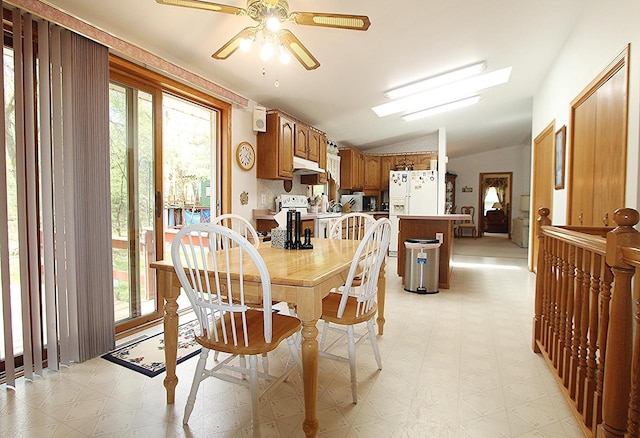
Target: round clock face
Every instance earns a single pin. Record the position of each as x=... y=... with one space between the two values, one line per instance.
x=245 y=155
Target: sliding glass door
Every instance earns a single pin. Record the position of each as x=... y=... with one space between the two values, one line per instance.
x=132 y=202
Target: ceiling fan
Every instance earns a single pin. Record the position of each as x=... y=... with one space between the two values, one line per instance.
x=270 y=14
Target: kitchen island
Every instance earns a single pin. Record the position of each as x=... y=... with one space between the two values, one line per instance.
x=427 y=227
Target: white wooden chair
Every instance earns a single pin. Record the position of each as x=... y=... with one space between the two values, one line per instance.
x=238 y=224
x=355 y=301
x=227 y=323
x=351 y=226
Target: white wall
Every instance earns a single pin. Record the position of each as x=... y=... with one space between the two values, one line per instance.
x=516 y=159
x=241 y=130
x=600 y=34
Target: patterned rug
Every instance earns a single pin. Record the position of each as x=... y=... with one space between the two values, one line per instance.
x=147 y=355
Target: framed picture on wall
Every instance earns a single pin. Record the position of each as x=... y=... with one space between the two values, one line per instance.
x=561 y=140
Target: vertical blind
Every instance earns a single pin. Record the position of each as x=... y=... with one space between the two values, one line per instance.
x=61 y=83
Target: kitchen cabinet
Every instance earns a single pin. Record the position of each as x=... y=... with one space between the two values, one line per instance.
x=450 y=192
x=372 y=172
x=275 y=148
x=307 y=142
x=319 y=178
x=423 y=161
x=351 y=169
x=387 y=164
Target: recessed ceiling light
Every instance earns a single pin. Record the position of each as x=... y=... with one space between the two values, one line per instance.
x=437 y=81
x=441 y=108
x=442 y=95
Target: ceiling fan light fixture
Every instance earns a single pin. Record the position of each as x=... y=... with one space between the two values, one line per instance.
x=441 y=108
x=437 y=81
x=247 y=43
x=266 y=51
x=285 y=57
x=273 y=24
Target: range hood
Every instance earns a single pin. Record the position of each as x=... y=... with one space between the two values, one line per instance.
x=305 y=167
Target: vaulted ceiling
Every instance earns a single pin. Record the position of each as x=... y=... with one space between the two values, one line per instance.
x=408 y=40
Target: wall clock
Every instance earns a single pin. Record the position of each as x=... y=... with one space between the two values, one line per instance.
x=245 y=156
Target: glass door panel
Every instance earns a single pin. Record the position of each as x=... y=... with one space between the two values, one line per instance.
x=188 y=151
x=132 y=202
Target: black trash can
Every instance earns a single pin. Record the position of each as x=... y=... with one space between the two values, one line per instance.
x=421 y=266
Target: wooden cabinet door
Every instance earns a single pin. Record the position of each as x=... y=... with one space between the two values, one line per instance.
x=598 y=149
x=285 y=144
x=301 y=141
x=422 y=161
x=372 y=172
x=387 y=164
x=313 y=146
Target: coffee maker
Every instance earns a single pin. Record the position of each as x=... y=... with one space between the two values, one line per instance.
x=369 y=203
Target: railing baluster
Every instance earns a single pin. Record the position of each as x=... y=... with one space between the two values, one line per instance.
x=597 y=263
x=584 y=330
x=570 y=274
x=634 y=401
x=538 y=317
x=605 y=301
x=577 y=334
x=563 y=283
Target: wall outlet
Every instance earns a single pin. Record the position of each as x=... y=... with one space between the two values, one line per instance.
x=440 y=237
x=263 y=199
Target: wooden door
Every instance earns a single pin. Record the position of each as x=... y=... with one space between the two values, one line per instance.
x=314 y=145
x=542 y=186
x=598 y=148
x=371 y=172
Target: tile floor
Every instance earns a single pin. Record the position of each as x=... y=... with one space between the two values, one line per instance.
x=457 y=364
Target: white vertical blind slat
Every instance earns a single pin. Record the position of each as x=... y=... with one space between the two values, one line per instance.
x=33 y=215
x=58 y=197
x=46 y=188
x=68 y=159
x=21 y=183
x=9 y=364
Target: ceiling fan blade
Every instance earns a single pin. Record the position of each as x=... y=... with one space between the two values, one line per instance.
x=298 y=50
x=232 y=45
x=207 y=6
x=340 y=21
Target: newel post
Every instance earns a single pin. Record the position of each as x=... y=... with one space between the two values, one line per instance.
x=543 y=219
x=617 y=369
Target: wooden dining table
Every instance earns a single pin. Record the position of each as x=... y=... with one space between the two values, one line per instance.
x=299 y=277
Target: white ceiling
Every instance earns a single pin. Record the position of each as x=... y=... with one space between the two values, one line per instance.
x=408 y=40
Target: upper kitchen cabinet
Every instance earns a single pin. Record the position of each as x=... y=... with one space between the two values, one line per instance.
x=275 y=148
x=387 y=164
x=351 y=169
x=321 y=140
x=307 y=142
x=423 y=161
x=372 y=172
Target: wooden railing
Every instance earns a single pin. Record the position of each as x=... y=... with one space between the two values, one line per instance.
x=583 y=323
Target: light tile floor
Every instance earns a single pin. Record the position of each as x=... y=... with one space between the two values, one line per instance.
x=456 y=364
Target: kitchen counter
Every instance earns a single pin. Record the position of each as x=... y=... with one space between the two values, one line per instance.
x=262 y=215
x=428 y=227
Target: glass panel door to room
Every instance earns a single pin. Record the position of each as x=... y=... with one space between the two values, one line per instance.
x=132 y=202
x=156 y=189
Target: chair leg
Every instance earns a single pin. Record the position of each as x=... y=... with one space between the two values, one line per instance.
x=197 y=378
x=374 y=342
x=352 y=363
x=254 y=387
x=323 y=337
x=265 y=363
x=293 y=349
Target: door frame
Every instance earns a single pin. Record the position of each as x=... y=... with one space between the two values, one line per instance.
x=481 y=178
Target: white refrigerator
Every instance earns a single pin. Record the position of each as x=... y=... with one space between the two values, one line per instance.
x=411 y=192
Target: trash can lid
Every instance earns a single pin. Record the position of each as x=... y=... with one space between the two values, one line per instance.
x=422 y=243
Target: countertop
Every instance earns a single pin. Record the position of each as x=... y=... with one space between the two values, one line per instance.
x=308 y=216
x=437 y=217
